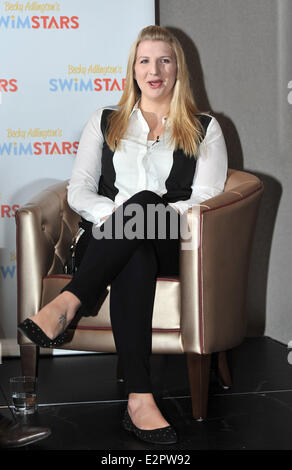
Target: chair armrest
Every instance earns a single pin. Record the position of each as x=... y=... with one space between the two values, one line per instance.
x=214 y=272
x=44 y=230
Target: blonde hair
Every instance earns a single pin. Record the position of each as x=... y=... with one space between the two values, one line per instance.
x=186 y=129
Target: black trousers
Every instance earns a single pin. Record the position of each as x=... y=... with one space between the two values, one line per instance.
x=130 y=265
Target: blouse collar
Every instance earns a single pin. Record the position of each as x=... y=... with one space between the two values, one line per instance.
x=137 y=109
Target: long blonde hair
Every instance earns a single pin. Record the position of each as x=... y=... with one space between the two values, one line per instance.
x=186 y=129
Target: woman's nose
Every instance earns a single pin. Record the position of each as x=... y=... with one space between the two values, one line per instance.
x=154 y=68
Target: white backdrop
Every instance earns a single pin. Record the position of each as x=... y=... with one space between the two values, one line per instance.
x=60 y=60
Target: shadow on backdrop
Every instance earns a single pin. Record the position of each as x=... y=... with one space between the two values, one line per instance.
x=262 y=243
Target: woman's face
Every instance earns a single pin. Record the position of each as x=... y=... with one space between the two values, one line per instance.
x=155 y=70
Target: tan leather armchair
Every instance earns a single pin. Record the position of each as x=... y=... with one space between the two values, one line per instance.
x=201 y=313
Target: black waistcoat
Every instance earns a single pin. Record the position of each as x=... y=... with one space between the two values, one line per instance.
x=179 y=182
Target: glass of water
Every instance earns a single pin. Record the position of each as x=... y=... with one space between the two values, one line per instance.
x=24 y=394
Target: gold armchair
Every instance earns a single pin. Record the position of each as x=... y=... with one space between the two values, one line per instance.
x=201 y=313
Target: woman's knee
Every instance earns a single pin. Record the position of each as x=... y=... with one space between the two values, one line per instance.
x=143 y=261
x=147 y=197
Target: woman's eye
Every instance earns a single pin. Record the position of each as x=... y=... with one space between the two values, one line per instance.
x=165 y=61
x=144 y=61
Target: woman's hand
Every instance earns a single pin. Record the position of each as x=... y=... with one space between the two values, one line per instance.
x=173 y=207
x=103 y=219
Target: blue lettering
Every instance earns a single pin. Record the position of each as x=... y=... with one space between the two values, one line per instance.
x=65 y=84
x=8 y=270
x=6 y=148
x=71 y=84
x=19 y=23
x=20 y=149
x=4 y=21
x=23 y=24
x=86 y=86
x=26 y=150
x=53 y=83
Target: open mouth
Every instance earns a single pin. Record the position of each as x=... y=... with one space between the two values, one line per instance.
x=155 y=83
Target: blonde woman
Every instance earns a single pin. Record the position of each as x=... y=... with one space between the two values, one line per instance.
x=155 y=149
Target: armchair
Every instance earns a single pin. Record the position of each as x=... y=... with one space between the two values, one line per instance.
x=200 y=313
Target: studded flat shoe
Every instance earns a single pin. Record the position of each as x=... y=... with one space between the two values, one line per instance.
x=33 y=332
x=160 y=436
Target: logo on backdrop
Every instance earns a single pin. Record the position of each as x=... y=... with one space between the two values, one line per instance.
x=47 y=142
x=43 y=16
x=8 y=271
x=8 y=211
x=8 y=85
x=105 y=78
x=289 y=97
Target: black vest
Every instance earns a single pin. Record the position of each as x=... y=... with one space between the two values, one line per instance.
x=180 y=179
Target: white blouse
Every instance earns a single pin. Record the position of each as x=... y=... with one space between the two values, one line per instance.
x=140 y=164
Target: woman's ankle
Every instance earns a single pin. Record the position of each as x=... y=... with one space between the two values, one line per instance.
x=144 y=411
x=62 y=309
x=71 y=300
x=136 y=400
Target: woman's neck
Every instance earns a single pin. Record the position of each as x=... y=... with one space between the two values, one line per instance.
x=154 y=114
x=151 y=108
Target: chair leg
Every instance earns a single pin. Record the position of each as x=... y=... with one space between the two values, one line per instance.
x=199 y=374
x=29 y=354
x=223 y=370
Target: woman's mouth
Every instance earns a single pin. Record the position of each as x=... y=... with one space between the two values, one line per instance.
x=155 y=83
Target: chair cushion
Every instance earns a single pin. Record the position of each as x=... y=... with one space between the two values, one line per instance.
x=166 y=312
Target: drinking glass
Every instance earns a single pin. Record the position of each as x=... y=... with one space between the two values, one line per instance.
x=24 y=394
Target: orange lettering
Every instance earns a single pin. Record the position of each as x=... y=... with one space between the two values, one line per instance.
x=106 y=80
x=54 y=149
x=115 y=84
x=66 y=147
x=74 y=20
x=38 y=148
x=75 y=147
x=53 y=22
x=98 y=84
x=64 y=21
x=14 y=209
x=12 y=83
x=35 y=22
x=5 y=211
x=3 y=84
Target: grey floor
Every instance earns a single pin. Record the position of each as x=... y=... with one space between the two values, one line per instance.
x=82 y=403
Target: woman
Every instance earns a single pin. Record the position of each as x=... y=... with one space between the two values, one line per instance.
x=154 y=149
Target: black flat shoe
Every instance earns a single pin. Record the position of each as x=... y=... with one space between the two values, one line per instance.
x=33 y=332
x=160 y=436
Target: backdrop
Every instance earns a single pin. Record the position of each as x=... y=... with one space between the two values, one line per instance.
x=239 y=54
x=60 y=61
